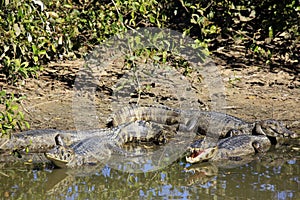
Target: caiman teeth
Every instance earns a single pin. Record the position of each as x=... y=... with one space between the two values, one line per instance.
x=191 y=149
x=195 y=152
x=198 y=155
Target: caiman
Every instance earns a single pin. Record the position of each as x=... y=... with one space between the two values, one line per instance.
x=40 y=141
x=214 y=124
x=232 y=148
x=96 y=149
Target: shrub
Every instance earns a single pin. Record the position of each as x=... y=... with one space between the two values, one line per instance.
x=11 y=118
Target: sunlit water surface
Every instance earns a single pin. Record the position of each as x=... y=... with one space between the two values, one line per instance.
x=275 y=175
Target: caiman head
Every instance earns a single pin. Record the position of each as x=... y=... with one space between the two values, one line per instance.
x=60 y=155
x=198 y=153
x=273 y=128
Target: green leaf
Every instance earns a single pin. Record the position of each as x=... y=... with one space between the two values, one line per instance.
x=34 y=49
x=17 y=62
x=14 y=107
x=270 y=32
x=27 y=149
x=27 y=125
x=42 y=52
x=151 y=18
x=7 y=126
x=9 y=117
x=35 y=58
x=21 y=115
x=2 y=93
x=156 y=58
x=53 y=48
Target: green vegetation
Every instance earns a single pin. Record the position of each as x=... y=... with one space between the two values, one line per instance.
x=265 y=33
x=34 y=32
x=10 y=118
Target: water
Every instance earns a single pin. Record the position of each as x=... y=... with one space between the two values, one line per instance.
x=275 y=175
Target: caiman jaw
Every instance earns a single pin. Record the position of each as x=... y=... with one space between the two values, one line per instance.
x=198 y=155
x=195 y=153
x=274 y=128
x=60 y=156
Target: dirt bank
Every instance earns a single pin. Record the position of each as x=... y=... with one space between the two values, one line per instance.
x=252 y=93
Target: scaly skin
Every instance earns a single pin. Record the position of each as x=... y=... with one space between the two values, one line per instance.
x=40 y=141
x=90 y=151
x=212 y=124
x=162 y=115
x=204 y=122
x=232 y=148
x=36 y=140
x=98 y=148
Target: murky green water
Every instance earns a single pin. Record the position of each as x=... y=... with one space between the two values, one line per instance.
x=275 y=175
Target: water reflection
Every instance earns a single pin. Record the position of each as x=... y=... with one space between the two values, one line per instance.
x=274 y=175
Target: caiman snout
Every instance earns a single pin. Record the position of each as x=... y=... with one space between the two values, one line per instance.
x=60 y=155
x=273 y=128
